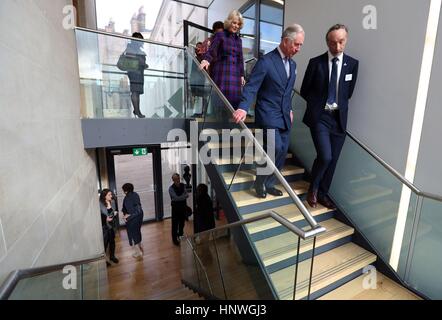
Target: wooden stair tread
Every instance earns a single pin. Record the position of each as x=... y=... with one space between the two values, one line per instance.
x=182 y=293
x=284 y=246
x=248 y=197
x=328 y=268
x=248 y=159
x=289 y=211
x=249 y=175
x=386 y=289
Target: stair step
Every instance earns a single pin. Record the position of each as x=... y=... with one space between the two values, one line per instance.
x=248 y=197
x=178 y=294
x=290 y=212
x=363 y=178
x=364 y=193
x=386 y=289
x=284 y=246
x=249 y=175
x=236 y=160
x=328 y=268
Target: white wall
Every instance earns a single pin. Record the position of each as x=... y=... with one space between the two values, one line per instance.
x=49 y=211
x=382 y=108
x=429 y=169
x=220 y=9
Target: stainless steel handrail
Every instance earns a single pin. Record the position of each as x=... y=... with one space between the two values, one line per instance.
x=390 y=168
x=110 y=34
x=271 y=214
x=311 y=221
x=15 y=276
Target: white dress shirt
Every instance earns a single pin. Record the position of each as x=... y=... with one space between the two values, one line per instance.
x=285 y=62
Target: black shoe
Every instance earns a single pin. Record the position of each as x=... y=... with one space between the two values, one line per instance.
x=139 y=114
x=108 y=264
x=260 y=191
x=114 y=259
x=274 y=192
x=176 y=242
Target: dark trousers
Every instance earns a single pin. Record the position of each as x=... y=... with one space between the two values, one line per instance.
x=109 y=241
x=280 y=144
x=328 y=138
x=178 y=220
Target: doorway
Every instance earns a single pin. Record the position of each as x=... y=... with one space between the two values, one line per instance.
x=138 y=165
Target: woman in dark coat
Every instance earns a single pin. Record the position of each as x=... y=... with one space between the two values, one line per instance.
x=204 y=218
x=133 y=215
x=226 y=54
x=108 y=215
x=136 y=78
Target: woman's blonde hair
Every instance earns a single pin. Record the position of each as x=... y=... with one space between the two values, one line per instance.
x=235 y=14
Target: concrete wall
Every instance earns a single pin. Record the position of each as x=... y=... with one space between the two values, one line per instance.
x=382 y=108
x=86 y=13
x=48 y=188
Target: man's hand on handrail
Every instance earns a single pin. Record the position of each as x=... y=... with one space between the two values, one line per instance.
x=239 y=115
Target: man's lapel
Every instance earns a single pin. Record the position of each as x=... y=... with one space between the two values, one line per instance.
x=325 y=68
x=279 y=65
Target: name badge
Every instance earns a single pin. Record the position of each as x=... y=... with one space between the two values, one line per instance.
x=348 y=77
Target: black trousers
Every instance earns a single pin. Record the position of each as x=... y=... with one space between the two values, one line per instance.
x=178 y=220
x=109 y=241
x=279 y=145
x=329 y=139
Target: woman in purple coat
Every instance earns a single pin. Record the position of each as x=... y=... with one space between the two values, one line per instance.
x=225 y=59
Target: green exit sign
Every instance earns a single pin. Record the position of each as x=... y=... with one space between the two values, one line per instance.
x=138 y=152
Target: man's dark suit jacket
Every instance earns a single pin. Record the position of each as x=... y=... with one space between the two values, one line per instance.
x=315 y=88
x=269 y=84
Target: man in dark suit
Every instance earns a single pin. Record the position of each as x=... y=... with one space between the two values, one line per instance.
x=328 y=84
x=271 y=82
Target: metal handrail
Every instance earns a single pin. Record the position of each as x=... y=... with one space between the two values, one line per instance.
x=271 y=214
x=110 y=34
x=390 y=168
x=15 y=276
x=307 y=215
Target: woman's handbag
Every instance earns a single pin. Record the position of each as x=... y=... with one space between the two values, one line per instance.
x=128 y=62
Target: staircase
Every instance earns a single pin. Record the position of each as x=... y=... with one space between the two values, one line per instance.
x=338 y=262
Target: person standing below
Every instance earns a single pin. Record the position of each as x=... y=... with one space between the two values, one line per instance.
x=328 y=84
x=178 y=196
x=218 y=26
x=271 y=82
x=108 y=214
x=136 y=77
x=133 y=216
x=225 y=53
x=204 y=218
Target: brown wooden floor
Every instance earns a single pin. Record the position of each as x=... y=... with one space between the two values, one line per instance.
x=158 y=275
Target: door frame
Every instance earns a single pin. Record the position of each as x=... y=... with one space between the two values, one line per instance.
x=155 y=150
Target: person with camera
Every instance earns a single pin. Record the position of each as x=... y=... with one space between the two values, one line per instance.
x=108 y=223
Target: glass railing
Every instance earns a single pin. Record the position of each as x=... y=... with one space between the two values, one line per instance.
x=237 y=155
x=369 y=193
x=107 y=89
x=73 y=281
x=216 y=264
x=222 y=141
